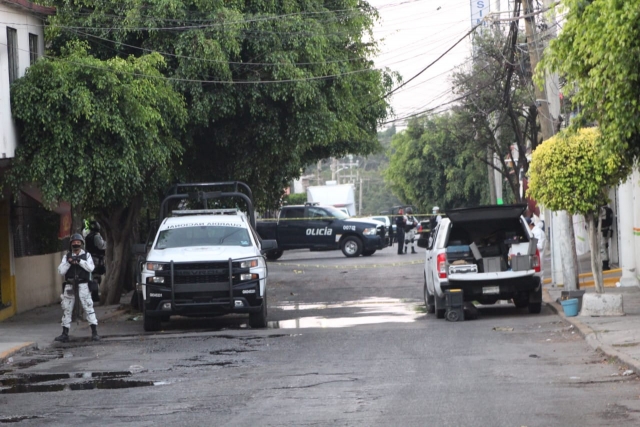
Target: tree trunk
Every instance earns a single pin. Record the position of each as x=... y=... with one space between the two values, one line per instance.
x=118 y=224
x=567 y=246
x=595 y=234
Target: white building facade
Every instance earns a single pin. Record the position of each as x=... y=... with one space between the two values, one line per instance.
x=21 y=44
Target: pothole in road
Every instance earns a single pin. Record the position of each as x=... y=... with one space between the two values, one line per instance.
x=17 y=419
x=34 y=383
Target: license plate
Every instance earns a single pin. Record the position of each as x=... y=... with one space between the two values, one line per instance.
x=491 y=290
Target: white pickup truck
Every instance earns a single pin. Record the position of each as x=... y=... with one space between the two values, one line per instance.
x=204 y=262
x=488 y=253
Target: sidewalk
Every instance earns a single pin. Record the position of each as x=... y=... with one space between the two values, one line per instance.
x=617 y=336
x=38 y=327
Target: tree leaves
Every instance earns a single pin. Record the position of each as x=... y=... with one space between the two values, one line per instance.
x=95 y=133
x=598 y=50
x=572 y=172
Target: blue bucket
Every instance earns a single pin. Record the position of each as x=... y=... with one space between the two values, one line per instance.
x=570 y=307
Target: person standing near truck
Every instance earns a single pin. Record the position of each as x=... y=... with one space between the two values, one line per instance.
x=401 y=221
x=410 y=230
x=77 y=265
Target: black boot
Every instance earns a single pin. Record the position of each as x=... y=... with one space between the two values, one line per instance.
x=605 y=266
x=94 y=333
x=405 y=249
x=64 y=337
x=413 y=250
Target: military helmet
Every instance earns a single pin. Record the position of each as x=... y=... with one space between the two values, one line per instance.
x=408 y=210
x=76 y=236
x=436 y=209
x=94 y=226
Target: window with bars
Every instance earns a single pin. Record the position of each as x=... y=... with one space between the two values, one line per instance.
x=12 y=53
x=33 y=48
x=34 y=228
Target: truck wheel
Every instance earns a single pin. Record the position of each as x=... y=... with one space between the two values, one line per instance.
x=428 y=299
x=368 y=253
x=274 y=255
x=439 y=307
x=259 y=318
x=535 y=307
x=535 y=301
x=351 y=247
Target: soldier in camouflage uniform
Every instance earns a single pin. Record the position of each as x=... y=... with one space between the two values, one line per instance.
x=77 y=263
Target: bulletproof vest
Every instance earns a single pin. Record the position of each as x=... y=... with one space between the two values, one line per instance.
x=91 y=245
x=82 y=274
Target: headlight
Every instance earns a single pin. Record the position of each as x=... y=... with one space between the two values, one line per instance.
x=370 y=232
x=249 y=263
x=154 y=266
x=155 y=279
x=248 y=276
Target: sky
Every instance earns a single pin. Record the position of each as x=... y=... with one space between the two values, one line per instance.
x=412 y=34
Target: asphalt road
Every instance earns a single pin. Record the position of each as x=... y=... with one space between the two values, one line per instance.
x=349 y=344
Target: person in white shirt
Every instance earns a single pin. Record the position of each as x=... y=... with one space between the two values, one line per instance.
x=538 y=233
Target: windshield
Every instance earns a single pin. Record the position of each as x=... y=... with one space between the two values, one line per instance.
x=336 y=213
x=203 y=236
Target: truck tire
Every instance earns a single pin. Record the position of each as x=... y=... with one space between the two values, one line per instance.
x=274 y=255
x=368 y=253
x=351 y=246
x=535 y=300
x=259 y=318
x=428 y=299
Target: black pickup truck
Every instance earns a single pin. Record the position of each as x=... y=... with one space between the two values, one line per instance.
x=320 y=228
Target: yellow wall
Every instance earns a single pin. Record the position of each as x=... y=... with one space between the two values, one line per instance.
x=37 y=281
x=7 y=277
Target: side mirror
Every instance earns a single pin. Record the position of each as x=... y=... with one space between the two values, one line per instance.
x=268 y=245
x=139 y=249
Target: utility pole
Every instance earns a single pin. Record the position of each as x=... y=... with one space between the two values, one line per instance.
x=563 y=237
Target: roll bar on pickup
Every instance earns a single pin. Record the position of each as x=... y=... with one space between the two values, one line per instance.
x=181 y=192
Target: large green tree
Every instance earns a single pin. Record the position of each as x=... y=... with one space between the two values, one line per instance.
x=571 y=172
x=271 y=86
x=597 y=52
x=430 y=165
x=99 y=135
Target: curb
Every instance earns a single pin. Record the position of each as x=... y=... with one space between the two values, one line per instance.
x=16 y=349
x=589 y=335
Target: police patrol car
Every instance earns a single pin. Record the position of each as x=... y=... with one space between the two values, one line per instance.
x=205 y=262
x=316 y=227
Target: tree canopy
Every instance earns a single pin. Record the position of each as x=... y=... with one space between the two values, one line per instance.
x=597 y=51
x=571 y=172
x=430 y=165
x=95 y=133
x=270 y=86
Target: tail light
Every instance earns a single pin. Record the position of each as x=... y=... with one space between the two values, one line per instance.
x=536 y=262
x=420 y=228
x=442 y=265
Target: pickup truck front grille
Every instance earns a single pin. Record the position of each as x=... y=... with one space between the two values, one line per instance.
x=206 y=278
x=181 y=266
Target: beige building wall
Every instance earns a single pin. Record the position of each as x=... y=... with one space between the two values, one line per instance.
x=37 y=281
